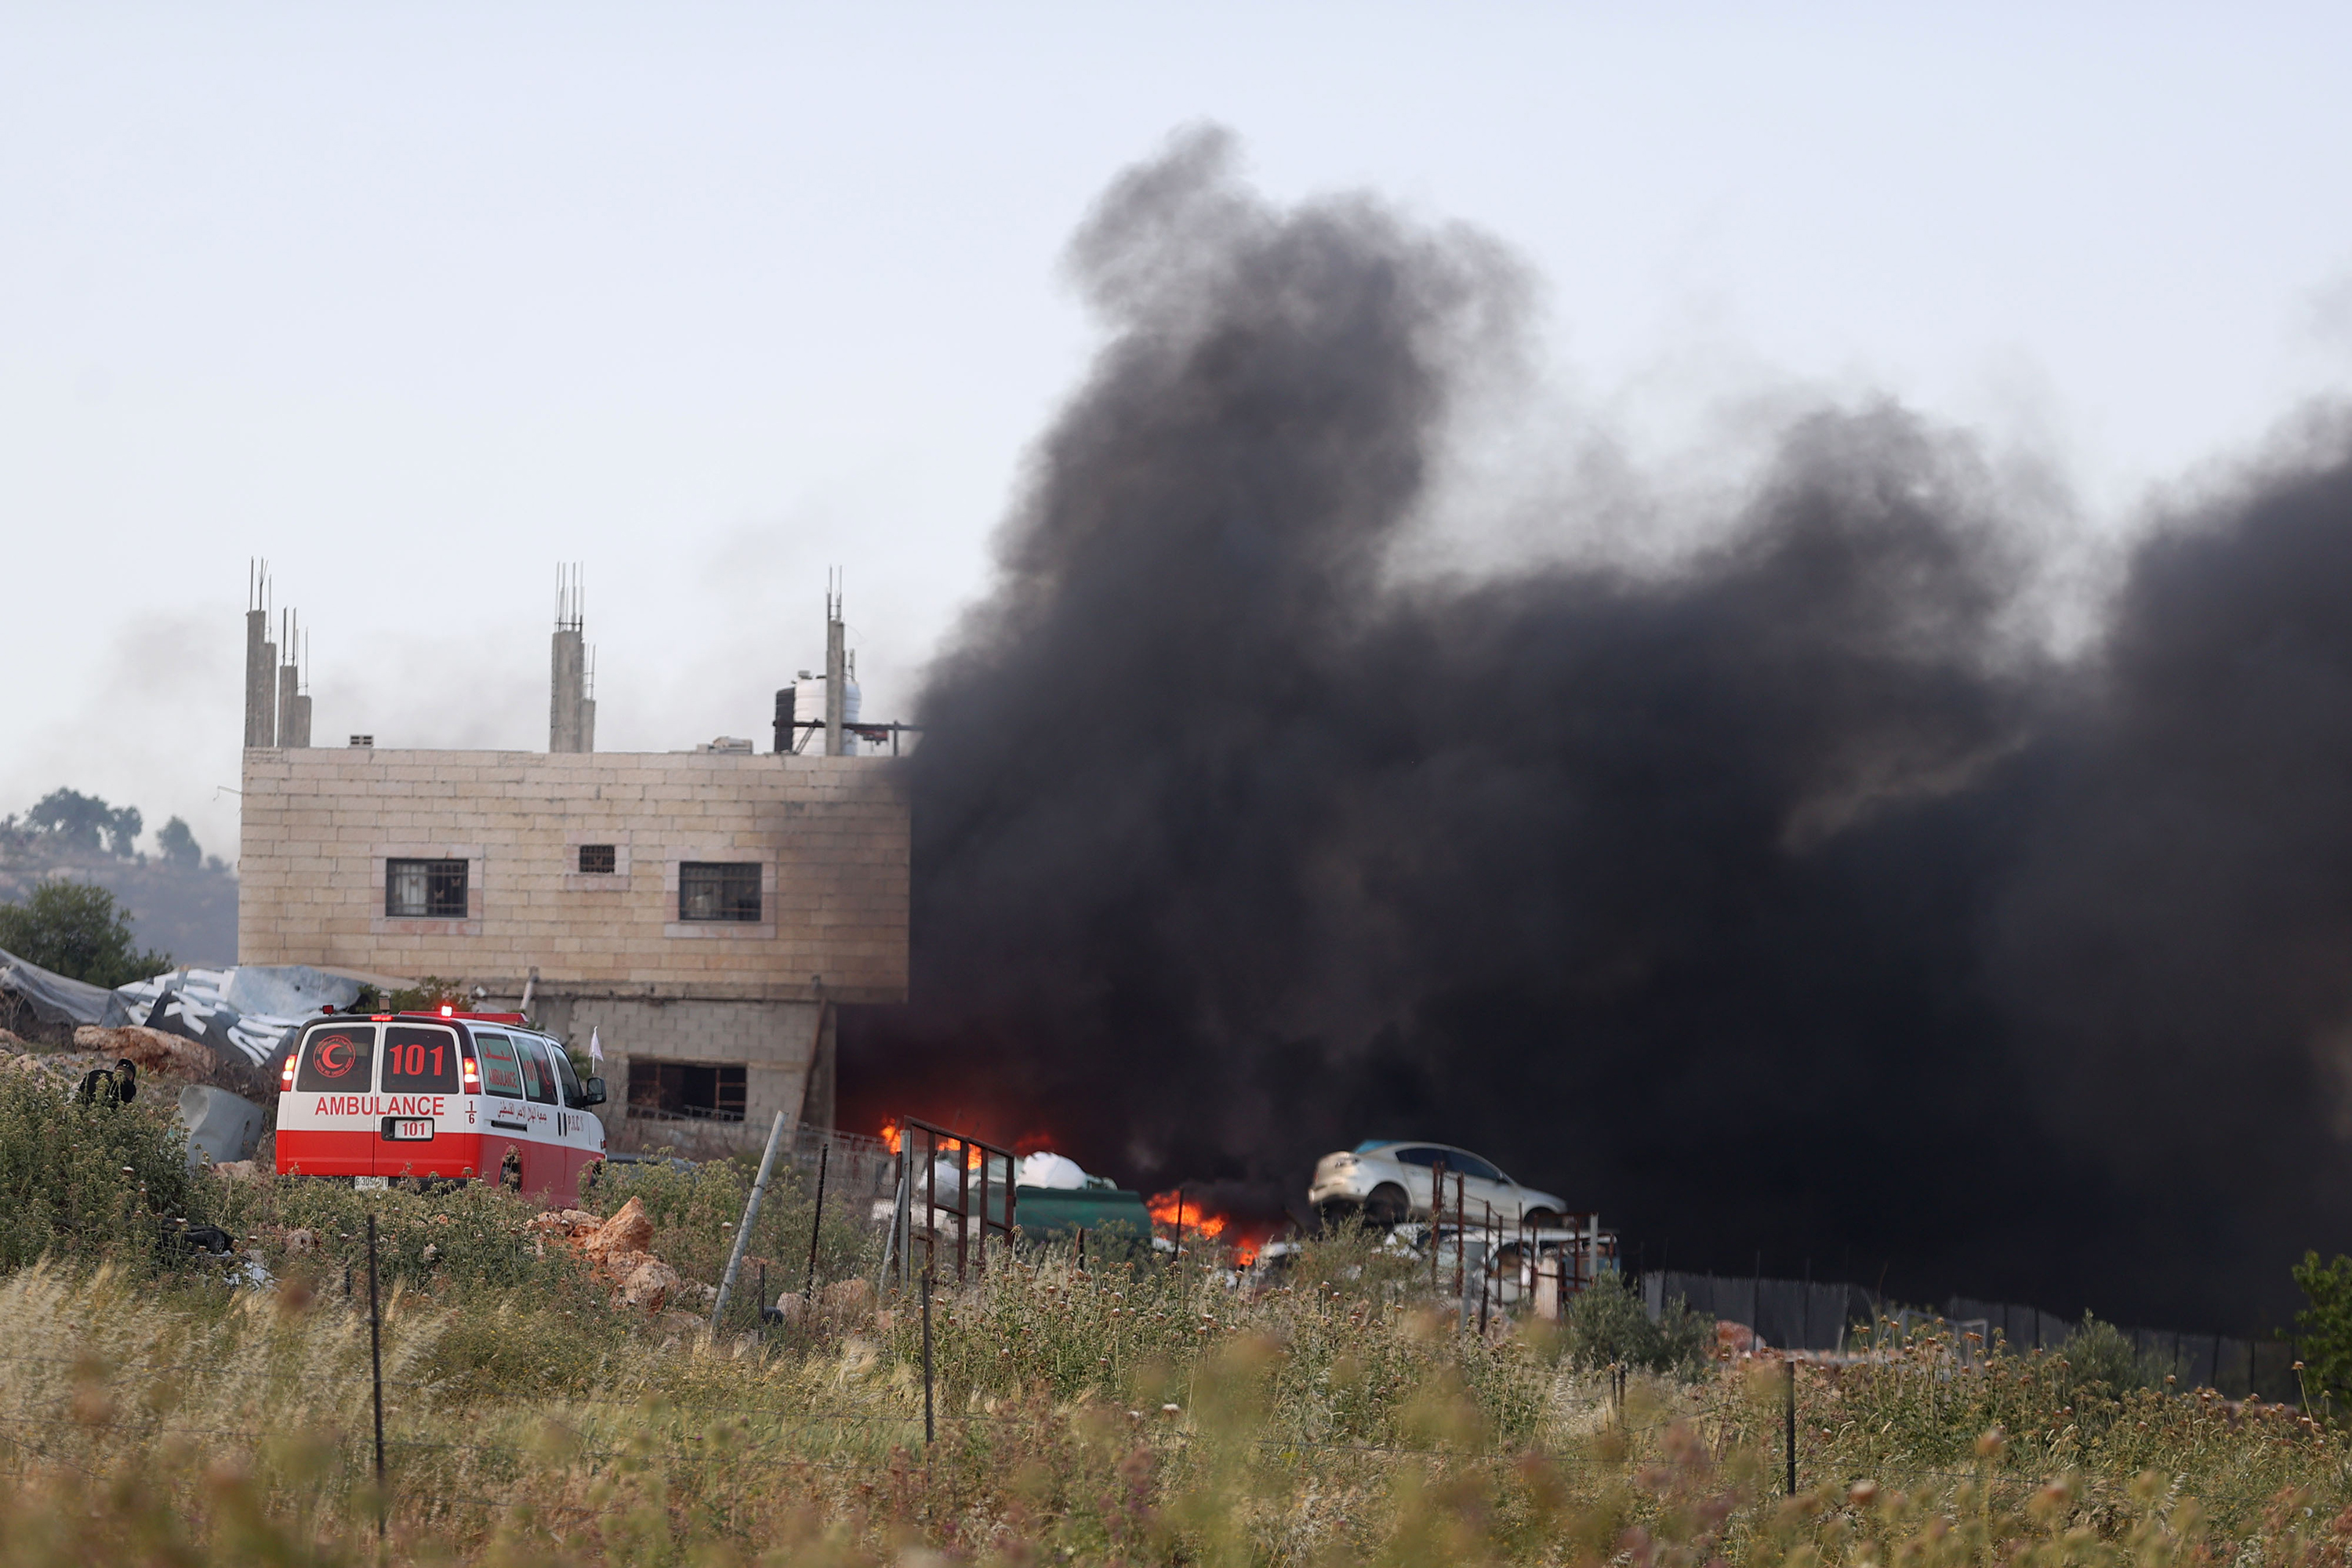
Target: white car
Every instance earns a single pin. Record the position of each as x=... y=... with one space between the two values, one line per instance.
x=1388 y=1182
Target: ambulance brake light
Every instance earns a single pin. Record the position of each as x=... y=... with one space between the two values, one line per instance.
x=473 y=1075
x=286 y=1074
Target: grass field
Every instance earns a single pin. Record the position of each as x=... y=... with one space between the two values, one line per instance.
x=154 y=1410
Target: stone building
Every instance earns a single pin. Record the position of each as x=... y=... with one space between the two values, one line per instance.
x=702 y=912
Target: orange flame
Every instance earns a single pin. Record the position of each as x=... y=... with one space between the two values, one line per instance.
x=1165 y=1209
x=894 y=1137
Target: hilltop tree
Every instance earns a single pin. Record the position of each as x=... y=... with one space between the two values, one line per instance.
x=77 y=821
x=179 y=845
x=77 y=930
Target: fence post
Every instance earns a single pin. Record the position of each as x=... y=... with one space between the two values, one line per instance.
x=816 y=1218
x=751 y=1217
x=1788 y=1421
x=375 y=1365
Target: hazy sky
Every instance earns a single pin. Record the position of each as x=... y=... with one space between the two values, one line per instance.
x=418 y=300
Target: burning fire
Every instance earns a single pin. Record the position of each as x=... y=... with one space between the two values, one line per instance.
x=1208 y=1226
x=894 y=1137
x=1165 y=1210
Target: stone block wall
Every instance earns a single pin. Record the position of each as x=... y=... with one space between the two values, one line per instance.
x=830 y=835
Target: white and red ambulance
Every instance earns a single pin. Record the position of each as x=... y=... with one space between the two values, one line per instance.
x=458 y=1096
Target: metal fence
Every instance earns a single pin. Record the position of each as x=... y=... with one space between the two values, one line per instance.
x=1796 y=1314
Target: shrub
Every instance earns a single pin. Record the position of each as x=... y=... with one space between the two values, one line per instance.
x=77 y=930
x=89 y=1182
x=2326 y=1340
x=1608 y=1325
x=2103 y=1354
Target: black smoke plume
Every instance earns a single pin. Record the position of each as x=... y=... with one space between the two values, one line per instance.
x=1790 y=903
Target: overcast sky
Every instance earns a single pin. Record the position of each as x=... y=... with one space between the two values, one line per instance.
x=417 y=300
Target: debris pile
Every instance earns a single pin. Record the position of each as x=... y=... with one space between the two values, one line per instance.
x=618 y=1249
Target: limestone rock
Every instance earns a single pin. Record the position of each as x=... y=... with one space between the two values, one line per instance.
x=151 y=1050
x=630 y=1230
x=649 y=1285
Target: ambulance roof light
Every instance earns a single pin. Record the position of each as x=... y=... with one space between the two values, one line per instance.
x=448 y=1011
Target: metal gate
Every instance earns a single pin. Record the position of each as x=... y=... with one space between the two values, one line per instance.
x=972 y=1197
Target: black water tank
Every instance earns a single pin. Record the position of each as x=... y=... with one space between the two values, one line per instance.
x=785 y=700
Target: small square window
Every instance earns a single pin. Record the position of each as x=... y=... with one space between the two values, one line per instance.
x=717 y=890
x=598 y=859
x=424 y=889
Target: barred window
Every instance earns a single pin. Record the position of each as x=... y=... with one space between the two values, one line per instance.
x=703 y=1091
x=717 y=890
x=424 y=889
x=597 y=860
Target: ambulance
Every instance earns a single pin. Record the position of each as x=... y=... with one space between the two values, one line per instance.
x=448 y=1095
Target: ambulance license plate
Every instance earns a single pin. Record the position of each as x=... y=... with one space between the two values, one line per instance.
x=405 y=1129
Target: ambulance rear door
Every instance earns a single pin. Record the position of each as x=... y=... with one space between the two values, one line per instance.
x=421 y=1117
x=325 y=1123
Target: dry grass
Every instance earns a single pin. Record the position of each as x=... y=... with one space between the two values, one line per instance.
x=1136 y=1416
x=153 y=1409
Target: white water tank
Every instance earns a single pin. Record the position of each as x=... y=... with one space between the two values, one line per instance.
x=1045 y=1169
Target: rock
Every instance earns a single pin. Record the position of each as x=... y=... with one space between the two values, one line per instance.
x=649 y=1285
x=300 y=1242
x=151 y=1050
x=10 y=1040
x=28 y=1063
x=792 y=1306
x=1734 y=1340
x=630 y=1230
x=236 y=1171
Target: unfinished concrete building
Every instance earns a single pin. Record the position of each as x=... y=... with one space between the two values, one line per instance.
x=703 y=911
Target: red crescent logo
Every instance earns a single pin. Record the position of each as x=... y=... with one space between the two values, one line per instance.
x=333 y=1057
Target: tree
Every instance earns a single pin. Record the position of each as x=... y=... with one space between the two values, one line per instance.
x=79 y=821
x=2325 y=1343
x=179 y=845
x=77 y=930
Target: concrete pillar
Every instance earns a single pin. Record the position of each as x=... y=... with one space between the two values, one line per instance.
x=566 y=691
x=302 y=735
x=290 y=701
x=588 y=723
x=816 y=1100
x=837 y=676
x=260 y=681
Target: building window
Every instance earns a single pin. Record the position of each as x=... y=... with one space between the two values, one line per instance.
x=597 y=860
x=687 y=1090
x=424 y=889
x=716 y=891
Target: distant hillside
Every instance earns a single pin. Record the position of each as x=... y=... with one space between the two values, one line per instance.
x=181 y=901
